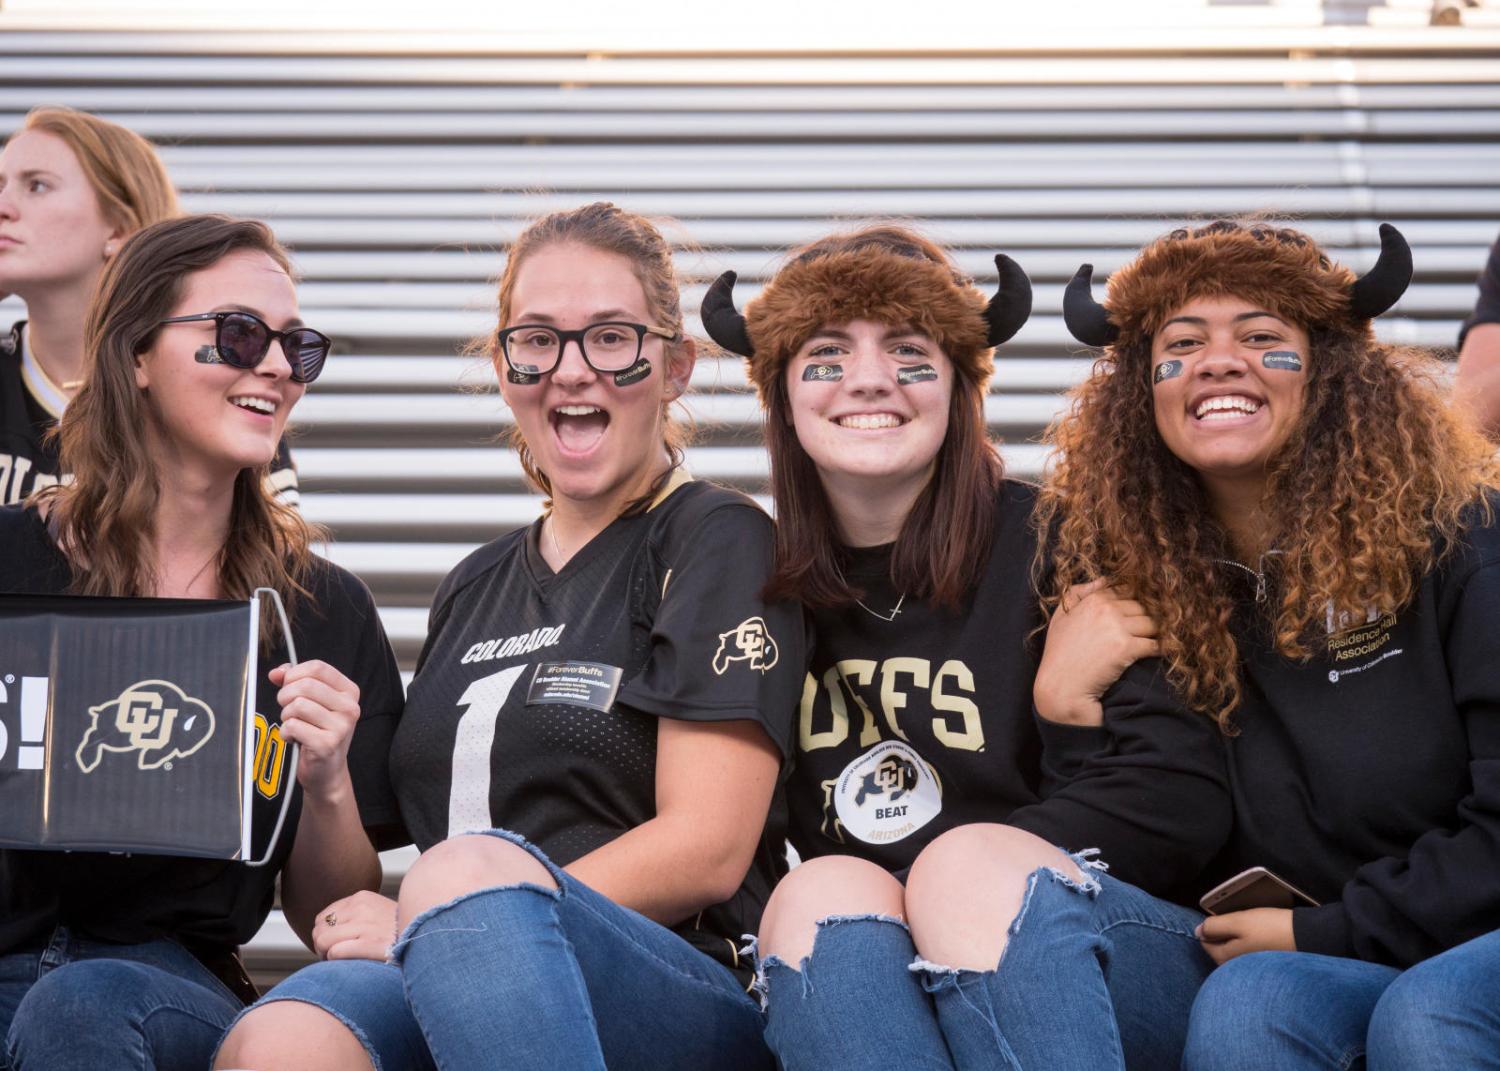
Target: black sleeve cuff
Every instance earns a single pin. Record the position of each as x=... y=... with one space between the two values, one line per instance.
x=1324 y=930
x=1065 y=748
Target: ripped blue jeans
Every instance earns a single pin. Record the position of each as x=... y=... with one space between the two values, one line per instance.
x=1094 y=976
x=523 y=976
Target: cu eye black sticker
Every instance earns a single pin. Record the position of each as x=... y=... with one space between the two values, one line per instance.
x=526 y=379
x=1286 y=360
x=823 y=373
x=1166 y=370
x=917 y=373
x=634 y=374
x=208 y=355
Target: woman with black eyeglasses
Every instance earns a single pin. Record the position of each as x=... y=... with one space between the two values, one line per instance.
x=196 y=356
x=73 y=187
x=605 y=699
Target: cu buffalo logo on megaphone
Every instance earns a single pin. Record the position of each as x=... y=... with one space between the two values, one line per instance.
x=155 y=719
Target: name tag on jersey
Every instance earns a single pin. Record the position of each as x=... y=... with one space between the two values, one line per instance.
x=580 y=684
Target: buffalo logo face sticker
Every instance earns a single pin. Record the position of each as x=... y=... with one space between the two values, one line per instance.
x=156 y=720
x=749 y=642
x=1166 y=370
x=823 y=373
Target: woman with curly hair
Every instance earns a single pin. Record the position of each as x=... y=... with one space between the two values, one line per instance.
x=1313 y=529
x=933 y=922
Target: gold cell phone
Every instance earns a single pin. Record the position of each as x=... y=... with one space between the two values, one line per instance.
x=1256 y=887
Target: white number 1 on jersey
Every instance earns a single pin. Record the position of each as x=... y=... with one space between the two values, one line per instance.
x=469 y=798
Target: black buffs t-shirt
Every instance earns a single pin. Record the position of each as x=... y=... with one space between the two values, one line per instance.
x=206 y=904
x=915 y=720
x=537 y=694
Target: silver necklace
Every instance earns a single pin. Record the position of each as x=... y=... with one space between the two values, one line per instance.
x=884 y=617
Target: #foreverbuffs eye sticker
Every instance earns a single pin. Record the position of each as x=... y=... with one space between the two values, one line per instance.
x=917 y=373
x=1166 y=370
x=1283 y=359
x=634 y=374
x=827 y=373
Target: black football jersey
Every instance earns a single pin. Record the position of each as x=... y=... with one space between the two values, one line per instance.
x=30 y=407
x=536 y=698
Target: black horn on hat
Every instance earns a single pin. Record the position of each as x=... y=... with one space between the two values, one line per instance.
x=1011 y=305
x=1382 y=286
x=722 y=320
x=1085 y=317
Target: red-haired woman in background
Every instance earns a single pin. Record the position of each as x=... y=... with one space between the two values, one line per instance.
x=73 y=187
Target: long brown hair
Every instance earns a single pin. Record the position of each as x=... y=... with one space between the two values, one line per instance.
x=123 y=168
x=1376 y=483
x=104 y=518
x=604 y=226
x=948 y=531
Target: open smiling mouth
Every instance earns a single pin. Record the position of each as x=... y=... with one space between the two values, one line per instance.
x=579 y=427
x=259 y=406
x=870 y=421
x=1228 y=407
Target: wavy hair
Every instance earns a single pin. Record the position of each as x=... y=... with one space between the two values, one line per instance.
x=1376 y=483
x=105 y=517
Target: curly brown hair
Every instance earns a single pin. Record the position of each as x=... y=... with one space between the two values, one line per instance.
x=1377 y=481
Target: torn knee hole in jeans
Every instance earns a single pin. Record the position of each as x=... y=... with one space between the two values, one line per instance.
x=422 y=920
x=761 y=985
x=941 y=975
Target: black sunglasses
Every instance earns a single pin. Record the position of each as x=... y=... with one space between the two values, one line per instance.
x=242 y=340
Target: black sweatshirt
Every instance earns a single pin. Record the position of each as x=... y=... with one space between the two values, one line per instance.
x=1369 y=776
x=912 y=723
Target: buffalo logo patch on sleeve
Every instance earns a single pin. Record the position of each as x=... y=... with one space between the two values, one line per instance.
x=749 y=642
x=155 y=719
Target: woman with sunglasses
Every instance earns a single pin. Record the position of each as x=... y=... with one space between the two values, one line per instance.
x=196 y=356
x=604 y=698
x=934 y=921
x=1314 y=528
x=73 y=187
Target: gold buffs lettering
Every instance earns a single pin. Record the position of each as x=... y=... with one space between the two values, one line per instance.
x=1362 y=641
x=270 y=750
x=957 y=726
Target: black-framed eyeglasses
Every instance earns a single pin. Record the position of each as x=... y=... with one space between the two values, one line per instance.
x=242 y=340
x=608 y=346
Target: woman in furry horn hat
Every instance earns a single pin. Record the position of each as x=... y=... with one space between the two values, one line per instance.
x=934 y=830
x=1313 y=529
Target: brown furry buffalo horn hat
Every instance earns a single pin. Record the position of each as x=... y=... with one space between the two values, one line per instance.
x=1276 y=268
x=867 y=283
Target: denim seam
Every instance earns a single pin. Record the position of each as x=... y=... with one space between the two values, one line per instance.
x=648 y=953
